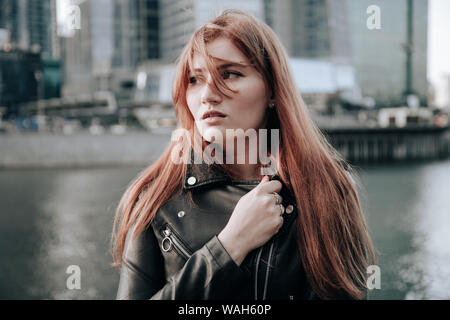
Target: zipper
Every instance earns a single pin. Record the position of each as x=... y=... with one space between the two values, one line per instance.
x=266 y=280
x=258 y=257
x=267 y=270
x=171 y=240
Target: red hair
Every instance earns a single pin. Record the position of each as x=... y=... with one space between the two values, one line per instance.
x=333 y=240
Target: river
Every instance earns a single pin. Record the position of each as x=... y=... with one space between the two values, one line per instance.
x=55 y=218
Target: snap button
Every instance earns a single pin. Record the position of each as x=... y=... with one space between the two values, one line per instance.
x=181 y=214
x=191 y=181
x=289 y=209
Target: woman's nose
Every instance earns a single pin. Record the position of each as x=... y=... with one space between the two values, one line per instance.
x=210 y=93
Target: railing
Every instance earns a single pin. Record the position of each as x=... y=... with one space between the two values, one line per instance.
x=391 y=144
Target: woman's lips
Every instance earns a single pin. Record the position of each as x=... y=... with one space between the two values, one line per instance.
x=212 y=113
x=214 y=119
x=213 y=116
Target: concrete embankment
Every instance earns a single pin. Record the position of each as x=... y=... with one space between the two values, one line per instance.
x=141 y=148
x=42 y=150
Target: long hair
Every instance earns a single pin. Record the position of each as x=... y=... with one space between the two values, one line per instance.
x=332 y=236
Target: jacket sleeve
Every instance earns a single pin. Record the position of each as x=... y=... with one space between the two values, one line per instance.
x=210 y=273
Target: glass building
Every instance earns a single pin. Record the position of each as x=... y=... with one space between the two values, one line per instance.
x=31 y=25
x=316 y=29
x=115 y=36
x=379 y=56
x=180 y=18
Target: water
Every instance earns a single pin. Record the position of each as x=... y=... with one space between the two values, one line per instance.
x=51 y=219
x=408 y=216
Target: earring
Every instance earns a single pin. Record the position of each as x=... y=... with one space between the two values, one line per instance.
x=272 y=105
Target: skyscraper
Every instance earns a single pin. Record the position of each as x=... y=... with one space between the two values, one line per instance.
x=311 y=29
x=180 y=18
x=337 y=31
x=30 y=24
x=12 y=18
x=88 y=52
x=379 y=55
x=115 y=36
x=136 y=32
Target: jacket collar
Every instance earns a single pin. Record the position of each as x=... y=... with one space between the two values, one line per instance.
x=199 y=174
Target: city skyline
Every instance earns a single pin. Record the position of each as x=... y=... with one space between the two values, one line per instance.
x=438 y=65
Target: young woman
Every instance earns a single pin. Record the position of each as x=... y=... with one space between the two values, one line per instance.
x=214 y=229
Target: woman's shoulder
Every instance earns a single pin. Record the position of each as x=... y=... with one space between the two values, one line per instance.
x=144 y=241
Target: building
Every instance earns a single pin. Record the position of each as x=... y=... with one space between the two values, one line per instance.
x=13 y=19
x=316 y=37
x=115 y=36
x=78 y=57
x=180 y=18
x=378 y=54
x=311 y=29
x=136 y=32
x=118 y=35
x=337 y=31
x=136 y=39
x=31 y=25
x=21 y=79
x=29 y=48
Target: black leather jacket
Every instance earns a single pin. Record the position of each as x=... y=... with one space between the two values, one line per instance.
x=180 y=257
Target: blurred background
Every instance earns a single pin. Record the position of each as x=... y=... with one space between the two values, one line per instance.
x=85 y=104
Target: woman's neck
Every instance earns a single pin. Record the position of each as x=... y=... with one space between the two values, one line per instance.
x=246 y=170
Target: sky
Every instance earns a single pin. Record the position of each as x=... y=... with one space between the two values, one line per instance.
x=439 y=48
x=438 y=45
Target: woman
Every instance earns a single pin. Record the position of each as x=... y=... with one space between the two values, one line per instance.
x=213 y=230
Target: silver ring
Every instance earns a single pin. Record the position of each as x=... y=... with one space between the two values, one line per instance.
x=277 y=198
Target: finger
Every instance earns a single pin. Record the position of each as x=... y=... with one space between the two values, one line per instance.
x=271 y=186
x=280 y=223
x=277 y=210
x=278 y=198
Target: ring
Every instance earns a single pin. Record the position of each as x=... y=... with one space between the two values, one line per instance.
x=277 y=198
x=282 y=209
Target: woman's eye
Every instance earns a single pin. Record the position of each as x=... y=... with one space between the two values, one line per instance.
x=230 y=74
x=192 y=80
x=225 y=75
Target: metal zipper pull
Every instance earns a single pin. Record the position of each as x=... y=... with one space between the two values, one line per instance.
x=166 y=243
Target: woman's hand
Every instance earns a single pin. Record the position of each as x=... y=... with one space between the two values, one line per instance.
x=255 y=219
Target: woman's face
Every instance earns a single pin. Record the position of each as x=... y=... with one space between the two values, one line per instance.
x=244 y=109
